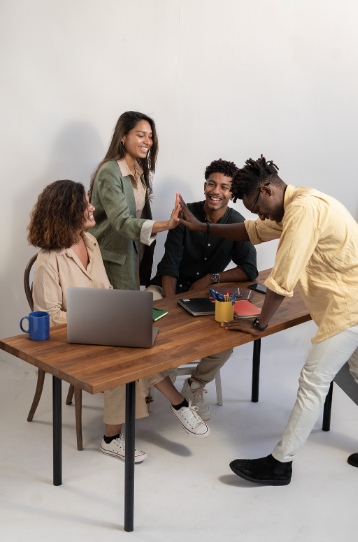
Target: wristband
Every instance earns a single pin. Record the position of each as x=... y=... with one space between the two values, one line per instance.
x=256 y=325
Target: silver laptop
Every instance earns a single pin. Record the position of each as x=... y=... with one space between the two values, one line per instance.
x=110 y=317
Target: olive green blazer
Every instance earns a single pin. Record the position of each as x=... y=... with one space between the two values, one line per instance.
x=117 y=229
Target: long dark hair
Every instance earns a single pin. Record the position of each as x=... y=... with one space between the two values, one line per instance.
x=116 y=151
x=58 y=215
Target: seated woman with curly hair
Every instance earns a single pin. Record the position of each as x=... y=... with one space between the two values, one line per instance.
x=70 y=256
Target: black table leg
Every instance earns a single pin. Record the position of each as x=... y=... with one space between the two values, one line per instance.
x=256 y=371
x=57 y=430
x=129 y=459
x=326 y=425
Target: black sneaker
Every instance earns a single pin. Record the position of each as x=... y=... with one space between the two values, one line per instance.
x=265 y=470
x=353 y=460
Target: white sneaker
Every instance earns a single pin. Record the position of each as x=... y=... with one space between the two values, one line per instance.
x=191 y=421
x=117 y=448
x=195 y=393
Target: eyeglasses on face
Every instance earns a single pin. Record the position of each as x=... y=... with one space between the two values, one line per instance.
x=256 y=199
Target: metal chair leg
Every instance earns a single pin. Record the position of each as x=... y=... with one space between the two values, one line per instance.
x=70 y=395
x=219 y=391
x=256 y=371
x=78 y=409
x=326 y=425
x=38 y=392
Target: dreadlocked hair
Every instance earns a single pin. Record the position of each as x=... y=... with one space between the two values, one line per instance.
x=220 y=166
x=247 y=180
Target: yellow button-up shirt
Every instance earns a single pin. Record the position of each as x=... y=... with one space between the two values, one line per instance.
x=318 y=252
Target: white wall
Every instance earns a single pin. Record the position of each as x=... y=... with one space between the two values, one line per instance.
x=228 y=79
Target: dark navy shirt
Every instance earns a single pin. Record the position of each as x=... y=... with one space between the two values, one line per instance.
x=190 y=255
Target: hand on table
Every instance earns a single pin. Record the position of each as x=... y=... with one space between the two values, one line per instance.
x=241 y=325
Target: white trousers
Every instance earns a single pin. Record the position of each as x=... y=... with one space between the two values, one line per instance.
x=324 y=361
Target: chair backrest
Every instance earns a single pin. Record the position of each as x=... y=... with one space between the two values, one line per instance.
x=27 y=285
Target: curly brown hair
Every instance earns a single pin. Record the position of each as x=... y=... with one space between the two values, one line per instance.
x=116 y=151
x=220 y=166
x=58 y=215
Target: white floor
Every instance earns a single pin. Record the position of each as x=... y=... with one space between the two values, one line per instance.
x=185 y=489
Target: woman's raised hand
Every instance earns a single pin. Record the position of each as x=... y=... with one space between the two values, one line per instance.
x=190 y=221
x=176 y=213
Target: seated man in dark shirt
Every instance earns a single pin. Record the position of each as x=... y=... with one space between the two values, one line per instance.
x=195 y=260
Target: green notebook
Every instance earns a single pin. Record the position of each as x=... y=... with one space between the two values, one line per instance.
x=158 y=314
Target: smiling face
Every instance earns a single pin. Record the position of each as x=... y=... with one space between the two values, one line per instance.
x=267 y=203
x=139 y=140
x=89 y=221
x=217 y=192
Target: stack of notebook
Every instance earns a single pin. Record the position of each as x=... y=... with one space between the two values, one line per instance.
x=201 y=306
x=245 y=309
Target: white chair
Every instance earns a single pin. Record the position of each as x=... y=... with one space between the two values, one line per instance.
x=188 y=370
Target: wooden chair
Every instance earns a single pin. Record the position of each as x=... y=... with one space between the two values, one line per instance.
x=77 y=392
x=145 y=271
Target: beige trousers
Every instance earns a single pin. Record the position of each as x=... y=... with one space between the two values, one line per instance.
x=115 y=399
x=207 y=367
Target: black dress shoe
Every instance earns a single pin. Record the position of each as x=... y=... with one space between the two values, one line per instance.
x=266 y=470
x=353 y=460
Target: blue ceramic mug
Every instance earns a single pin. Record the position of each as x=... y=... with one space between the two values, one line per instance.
x=39 y=325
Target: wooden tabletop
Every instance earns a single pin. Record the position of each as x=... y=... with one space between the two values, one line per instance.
x=182 y=338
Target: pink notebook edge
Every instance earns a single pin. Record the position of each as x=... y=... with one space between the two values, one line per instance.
x=251 y=309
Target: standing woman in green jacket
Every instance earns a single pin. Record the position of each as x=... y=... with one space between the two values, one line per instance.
x=120 y=189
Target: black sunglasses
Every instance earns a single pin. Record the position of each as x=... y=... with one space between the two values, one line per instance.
x=257 y=197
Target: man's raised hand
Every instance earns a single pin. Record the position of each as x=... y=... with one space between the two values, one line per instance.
x=190 y=221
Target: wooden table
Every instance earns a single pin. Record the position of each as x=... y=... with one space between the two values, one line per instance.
x=181 y=339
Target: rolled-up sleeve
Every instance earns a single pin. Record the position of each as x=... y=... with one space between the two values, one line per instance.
x=146 y=235
x=262 y=231
x=298 y=241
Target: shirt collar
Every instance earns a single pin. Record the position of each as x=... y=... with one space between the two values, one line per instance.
x=221 y=219
x=124 y=169
x=89 y=241
x=288 y=195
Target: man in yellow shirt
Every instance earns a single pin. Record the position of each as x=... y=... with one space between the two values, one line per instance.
x=318 y=254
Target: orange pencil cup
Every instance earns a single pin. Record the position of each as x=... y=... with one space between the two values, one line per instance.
x=224 y=311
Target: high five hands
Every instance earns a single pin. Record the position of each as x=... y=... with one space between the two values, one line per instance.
x=190 y=221
x=176 y=213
